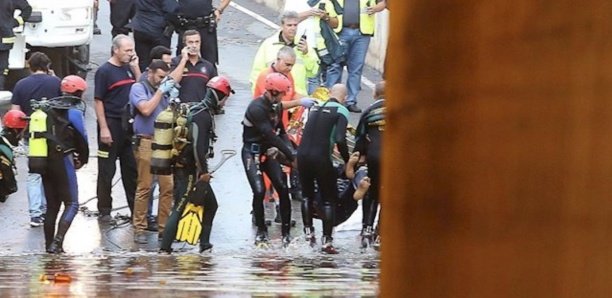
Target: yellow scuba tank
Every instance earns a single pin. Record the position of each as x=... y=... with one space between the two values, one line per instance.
x=161 y=157
x=180 y=132
x=38 y=149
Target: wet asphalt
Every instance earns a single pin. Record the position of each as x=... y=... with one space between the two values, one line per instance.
x=103 y=260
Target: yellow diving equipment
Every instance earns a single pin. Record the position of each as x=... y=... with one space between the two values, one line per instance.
x=180 y=131
x=190 y=224
x=161 y=157
x=38 y=148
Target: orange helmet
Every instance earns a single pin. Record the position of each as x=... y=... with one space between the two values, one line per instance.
x=72 y=84
x=15 y=119
x=221 y=84
x=277 y=82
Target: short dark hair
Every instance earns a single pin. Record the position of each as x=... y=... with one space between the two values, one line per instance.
x=159 y=51
x=158 y=64
x=190 y=32
x=39 y=61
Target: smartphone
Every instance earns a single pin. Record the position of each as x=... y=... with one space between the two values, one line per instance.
x=303 y=37
x=133 y=58
x=322 y=6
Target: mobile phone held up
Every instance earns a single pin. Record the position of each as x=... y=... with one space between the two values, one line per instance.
x=322 y=6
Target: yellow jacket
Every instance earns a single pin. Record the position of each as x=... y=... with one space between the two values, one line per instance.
x=367 y=23
x=306 y=66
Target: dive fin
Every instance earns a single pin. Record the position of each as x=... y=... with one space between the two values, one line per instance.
x=190 y=224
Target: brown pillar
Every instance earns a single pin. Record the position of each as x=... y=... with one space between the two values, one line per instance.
x=498 y=174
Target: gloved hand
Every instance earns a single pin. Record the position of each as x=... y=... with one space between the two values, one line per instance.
x=174 y=92
x=166 y=85
x=307 y=102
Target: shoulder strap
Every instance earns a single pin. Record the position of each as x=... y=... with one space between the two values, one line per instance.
x=337 y=7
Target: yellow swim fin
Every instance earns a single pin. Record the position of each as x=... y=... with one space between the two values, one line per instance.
x=190 y=224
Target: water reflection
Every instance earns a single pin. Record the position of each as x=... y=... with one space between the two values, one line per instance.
x=274 y=272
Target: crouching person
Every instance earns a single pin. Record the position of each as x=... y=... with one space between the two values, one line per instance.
x=14 y=124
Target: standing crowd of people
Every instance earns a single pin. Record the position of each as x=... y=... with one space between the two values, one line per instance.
x=141 y=81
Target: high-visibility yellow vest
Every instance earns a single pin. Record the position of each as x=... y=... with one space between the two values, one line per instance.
x=306 y=66
x=320 y=42
x=367 y=23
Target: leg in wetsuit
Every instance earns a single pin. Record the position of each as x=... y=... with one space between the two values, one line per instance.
x=254 y=168
x=210 y=210
x=60 y=185
x=312 y=170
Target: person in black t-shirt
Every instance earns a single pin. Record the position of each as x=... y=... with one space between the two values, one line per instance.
x=201 y=16
x=191 y=70
x=113 y=81
x=40 y=84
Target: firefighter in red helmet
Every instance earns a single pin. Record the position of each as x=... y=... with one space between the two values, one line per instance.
x=14 y=123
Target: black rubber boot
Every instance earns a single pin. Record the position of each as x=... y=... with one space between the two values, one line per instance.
x=261 y=238
x=205 y=239
x=56 y=246
x=367 y=235
x=309 y=235
x=328 y=246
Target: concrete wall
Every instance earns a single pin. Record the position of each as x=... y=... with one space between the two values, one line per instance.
x=378 y=45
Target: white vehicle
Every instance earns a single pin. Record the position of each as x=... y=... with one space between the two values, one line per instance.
x=62 y=29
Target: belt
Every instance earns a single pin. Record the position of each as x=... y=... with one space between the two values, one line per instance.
x=255 y=148
x=352 y=26
x=144 y=137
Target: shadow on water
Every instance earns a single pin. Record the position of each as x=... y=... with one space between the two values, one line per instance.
x=296 y=271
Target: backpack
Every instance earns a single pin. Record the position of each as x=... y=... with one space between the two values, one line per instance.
x=8 y=183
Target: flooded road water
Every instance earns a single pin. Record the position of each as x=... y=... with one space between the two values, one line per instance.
x=296 y=271
x=104 y=261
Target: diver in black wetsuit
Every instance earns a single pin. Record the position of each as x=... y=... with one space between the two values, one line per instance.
x=368 y=143
x=191 y=167
x=325 y=128
x=263 y=129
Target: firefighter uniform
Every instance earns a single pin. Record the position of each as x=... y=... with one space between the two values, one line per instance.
x=7 y=37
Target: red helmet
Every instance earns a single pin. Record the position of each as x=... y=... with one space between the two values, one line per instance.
x=15 y=119
x=72 y=84
x=277 y=82
x=221 y=84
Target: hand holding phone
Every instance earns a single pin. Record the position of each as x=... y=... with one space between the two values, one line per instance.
x=303 y=45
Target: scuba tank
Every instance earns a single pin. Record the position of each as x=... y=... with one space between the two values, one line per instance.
x=161 y=157
x=38 y=149
x=180 y=132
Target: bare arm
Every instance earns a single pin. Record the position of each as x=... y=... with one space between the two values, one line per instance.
x=380 y=6
x=146 y=107
x=177 y=73
x=105 y=135
x=223 y=5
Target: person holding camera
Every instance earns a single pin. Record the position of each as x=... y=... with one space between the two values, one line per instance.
x=203 y=17
x=311 y=15
x=113 y=81
x=149 y=25
x=306 y=62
